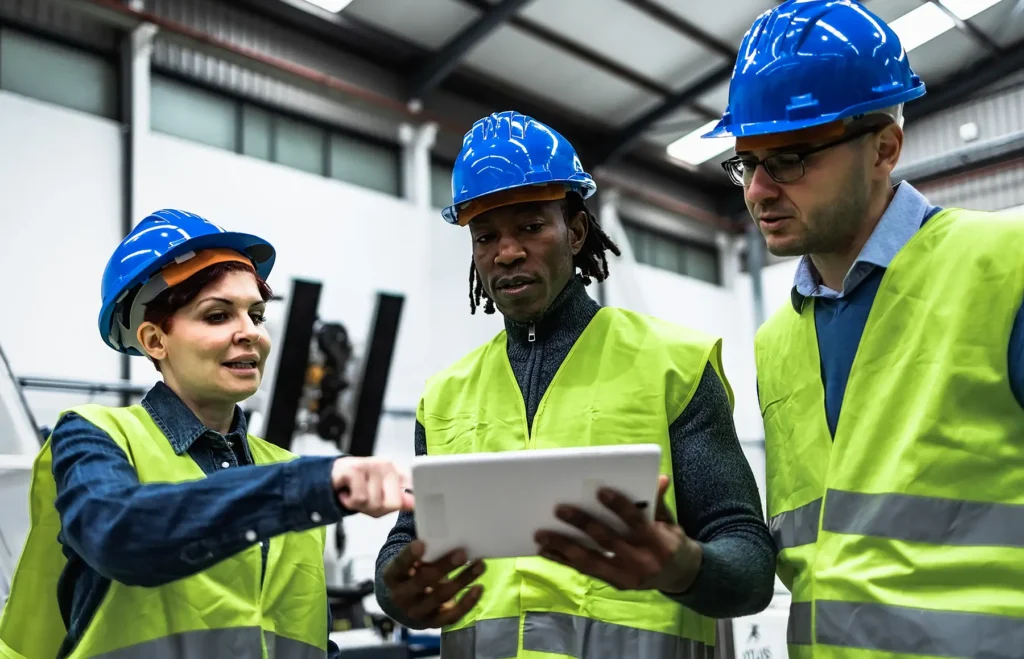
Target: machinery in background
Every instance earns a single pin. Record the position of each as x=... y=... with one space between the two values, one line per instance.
x=313 y=374
x=328 y=374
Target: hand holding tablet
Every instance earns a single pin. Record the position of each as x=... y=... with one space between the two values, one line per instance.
x=651 y=555
x=491 y=505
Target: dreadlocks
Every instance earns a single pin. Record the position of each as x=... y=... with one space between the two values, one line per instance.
x=591 y=260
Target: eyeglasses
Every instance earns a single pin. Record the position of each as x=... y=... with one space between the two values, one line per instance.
x=783 y=167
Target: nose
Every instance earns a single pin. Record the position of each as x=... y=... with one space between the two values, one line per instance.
x=510 y=251
x=248 y=332
x=761 y=187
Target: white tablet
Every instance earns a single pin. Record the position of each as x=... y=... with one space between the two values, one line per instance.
x=491 y=504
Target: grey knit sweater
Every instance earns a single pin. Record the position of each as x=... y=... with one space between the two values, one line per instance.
x=716 y=494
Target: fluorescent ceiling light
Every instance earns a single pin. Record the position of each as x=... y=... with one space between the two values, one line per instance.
x=921 y=25
x=691 y=149
x=330 y=5
x=965 y=9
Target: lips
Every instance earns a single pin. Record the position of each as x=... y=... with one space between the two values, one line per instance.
x=244 y=362
x=515 y=281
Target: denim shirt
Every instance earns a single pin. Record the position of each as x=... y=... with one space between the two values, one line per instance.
x=114 y=528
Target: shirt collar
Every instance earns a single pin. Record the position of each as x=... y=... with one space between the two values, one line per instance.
x=180 y=424
x=898 y=224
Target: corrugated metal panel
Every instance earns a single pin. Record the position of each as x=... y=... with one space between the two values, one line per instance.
x=990 y=189
x=60 y=21
x=233 y=25
x=996 y=113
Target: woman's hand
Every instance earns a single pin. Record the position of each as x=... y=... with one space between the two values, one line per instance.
x=372 y=486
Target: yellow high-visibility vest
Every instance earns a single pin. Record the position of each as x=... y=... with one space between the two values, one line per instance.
x=220 y=612
x=627 y=378
x=904 y=537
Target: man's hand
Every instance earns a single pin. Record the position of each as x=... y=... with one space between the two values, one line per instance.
x=423 y=591
x=371 y=486
x=652 y=555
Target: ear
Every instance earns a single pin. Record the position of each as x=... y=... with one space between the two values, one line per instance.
x=152 y=340
x=578 y=226
x=888 y=147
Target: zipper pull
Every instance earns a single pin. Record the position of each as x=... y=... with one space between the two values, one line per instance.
x=532 y=334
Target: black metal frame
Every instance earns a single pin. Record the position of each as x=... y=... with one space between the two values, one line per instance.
x=290 y=378
x=376 y=368
x=435 y=68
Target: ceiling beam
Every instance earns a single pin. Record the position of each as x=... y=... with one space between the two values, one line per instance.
x=440 y=64
x=590 y=56
x=579 y=51
x=684 y=27
x=968 y=82
x=973 y=32
x=625 y=137
x=359 y=38
x=687 y=96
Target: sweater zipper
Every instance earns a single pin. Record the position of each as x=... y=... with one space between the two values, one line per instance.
x=531 y=337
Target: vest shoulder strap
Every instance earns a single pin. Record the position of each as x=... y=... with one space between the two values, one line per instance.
x=263 y=452
x=118 y=422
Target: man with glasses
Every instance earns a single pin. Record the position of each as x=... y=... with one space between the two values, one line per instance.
x=892 y=385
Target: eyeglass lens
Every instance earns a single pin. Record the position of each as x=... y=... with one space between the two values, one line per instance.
x=782 y=167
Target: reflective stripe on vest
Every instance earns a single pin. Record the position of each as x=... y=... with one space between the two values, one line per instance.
x=231 y=643
x=633 y=375
x=568 y=635
x=901 y=517
x=904 y=533
x=906 y=630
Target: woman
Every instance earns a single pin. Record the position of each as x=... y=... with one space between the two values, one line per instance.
x=164 y=529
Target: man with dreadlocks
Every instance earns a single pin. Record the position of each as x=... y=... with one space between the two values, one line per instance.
x=568 y=372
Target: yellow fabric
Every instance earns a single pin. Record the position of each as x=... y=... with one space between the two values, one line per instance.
x=928 y=411
x=292 y=602
x=624 y=381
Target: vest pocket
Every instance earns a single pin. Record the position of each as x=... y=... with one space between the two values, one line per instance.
x=466 y=433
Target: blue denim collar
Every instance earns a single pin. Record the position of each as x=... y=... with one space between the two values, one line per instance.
x=180 y=424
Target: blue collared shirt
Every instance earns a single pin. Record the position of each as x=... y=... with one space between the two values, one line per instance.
x=114 y=528
x=904 y=216
x=840 y=316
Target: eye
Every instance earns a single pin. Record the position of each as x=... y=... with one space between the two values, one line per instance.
x=533 y=227
x=258 y=318
x=484 y=238
x=216 y=317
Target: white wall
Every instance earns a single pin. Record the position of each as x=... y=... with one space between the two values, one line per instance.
x=60 y=215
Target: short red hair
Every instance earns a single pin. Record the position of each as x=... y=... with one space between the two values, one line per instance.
x=162 y=308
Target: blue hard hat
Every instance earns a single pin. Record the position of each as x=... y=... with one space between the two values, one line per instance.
x=508 y=150
x=165 y=237
x=811 y=62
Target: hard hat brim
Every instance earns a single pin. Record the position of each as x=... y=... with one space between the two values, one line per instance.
x=261 y=252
